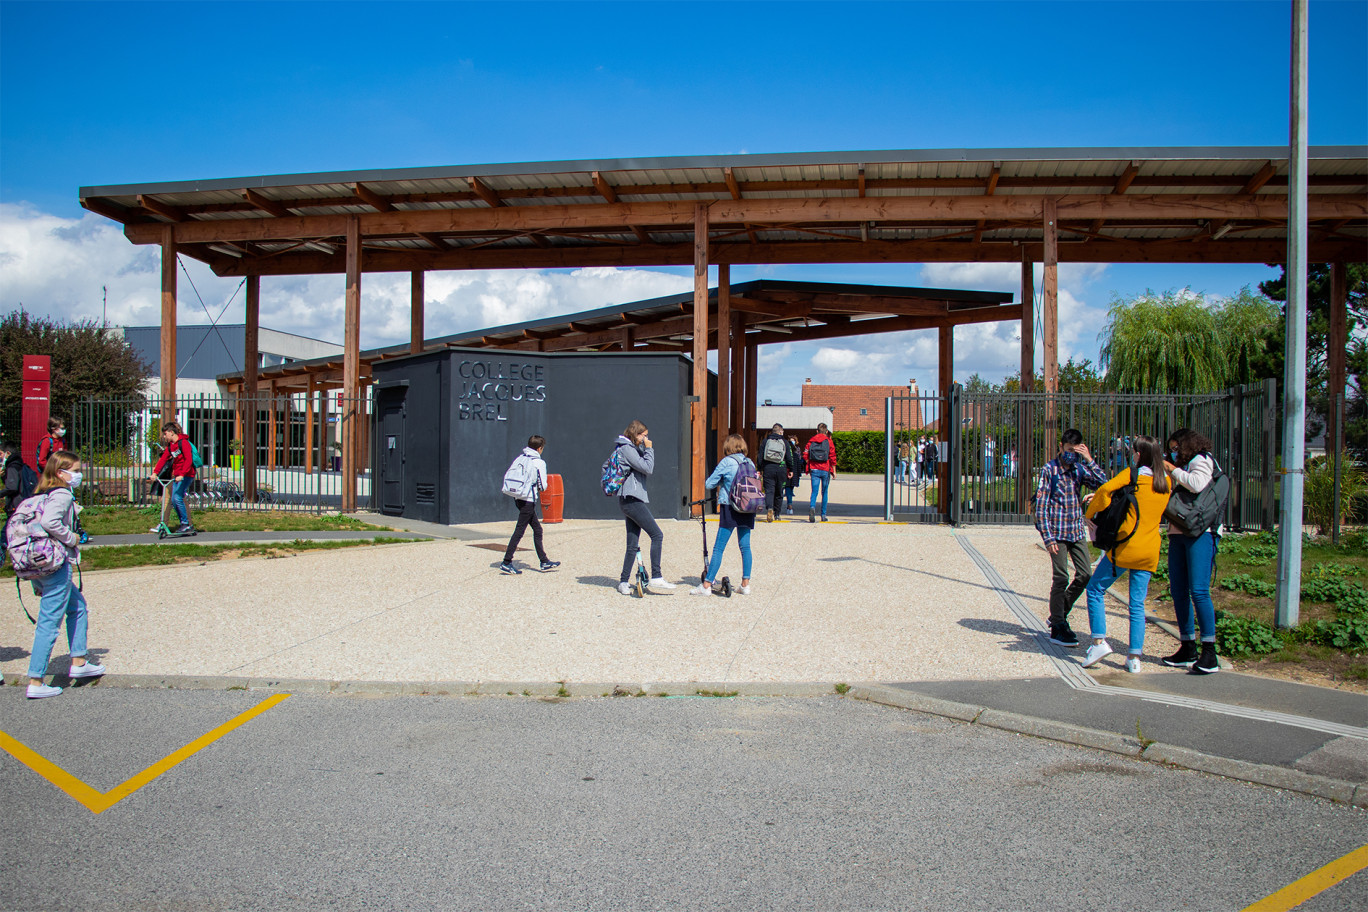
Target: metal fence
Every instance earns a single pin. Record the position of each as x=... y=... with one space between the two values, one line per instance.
x=993 y=445
x=276 y=453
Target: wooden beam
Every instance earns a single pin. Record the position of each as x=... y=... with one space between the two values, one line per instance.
x=988 y=190
x=811 y=212
x=1258 y=179
x=1123 y=183
x=732 y=186
x=416 y=303
x=604 y=189
x=643 y=235
x=350 y=415
x=750 y=400
x=724 y=323
x=1050 y=307
x=860 y=185
x=168 y=367
x=698 y=410
x=436 y=242
x=371 y=198
x=737 y=345
x=271 y=206
x=485 y=192
x=170 y=213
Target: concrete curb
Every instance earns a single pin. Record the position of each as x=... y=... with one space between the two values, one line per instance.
x=1336 y=790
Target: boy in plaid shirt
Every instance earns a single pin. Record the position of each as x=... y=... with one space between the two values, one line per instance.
x=1059 y=519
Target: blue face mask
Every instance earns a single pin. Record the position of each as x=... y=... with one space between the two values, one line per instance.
x=1173 y=456
x=1068 y=459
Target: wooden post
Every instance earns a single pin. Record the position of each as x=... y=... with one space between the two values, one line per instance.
x=723 y=355
x=1050 y=314
x=752 y=392
x=416 y=313
x=251 y=360
x=349 y=416
x=1025 y=424
x=945 y=370
x=309 y=428
x=699 y=410
x=738 y=369
x=168 y=323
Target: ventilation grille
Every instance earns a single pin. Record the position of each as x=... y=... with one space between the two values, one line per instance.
x=427 y=493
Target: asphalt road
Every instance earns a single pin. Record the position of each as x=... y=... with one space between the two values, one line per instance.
x=629 y=803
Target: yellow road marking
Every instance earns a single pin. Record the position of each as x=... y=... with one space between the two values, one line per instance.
x=1318 y=881
x=97 y=801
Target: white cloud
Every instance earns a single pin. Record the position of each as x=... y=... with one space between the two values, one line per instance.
x=56 y=266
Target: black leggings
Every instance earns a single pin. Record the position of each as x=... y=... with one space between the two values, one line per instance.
x=639 y=519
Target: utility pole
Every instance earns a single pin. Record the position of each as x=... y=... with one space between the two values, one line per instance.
x=1288 y=606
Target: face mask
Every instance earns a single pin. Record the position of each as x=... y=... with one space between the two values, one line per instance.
x=61 y=432
x=1173 y=456
x=1068 y=459
x=75 y=477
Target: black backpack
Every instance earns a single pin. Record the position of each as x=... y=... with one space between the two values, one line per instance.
x=1107 y=535
x=1195 y=513
x=819 y=451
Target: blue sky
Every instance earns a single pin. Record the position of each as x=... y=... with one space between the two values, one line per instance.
x=113 y=92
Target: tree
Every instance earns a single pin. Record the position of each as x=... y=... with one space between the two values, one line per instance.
x=1178 y=342
x=1079 y=376
x=87 y=360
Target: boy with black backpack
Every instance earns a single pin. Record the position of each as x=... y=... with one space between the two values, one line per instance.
x=777 y=464
x=523 y=480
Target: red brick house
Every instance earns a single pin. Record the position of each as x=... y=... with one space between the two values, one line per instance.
x=858 y=408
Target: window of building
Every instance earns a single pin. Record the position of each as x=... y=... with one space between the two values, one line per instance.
x=864 y=411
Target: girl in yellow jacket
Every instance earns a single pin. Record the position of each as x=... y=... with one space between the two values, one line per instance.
x=1138 y=554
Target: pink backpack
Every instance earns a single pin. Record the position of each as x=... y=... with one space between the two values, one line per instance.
x=31 y=552
x=747 y=493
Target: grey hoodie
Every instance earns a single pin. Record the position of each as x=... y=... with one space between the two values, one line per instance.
x=642 y=461
x=58 y=520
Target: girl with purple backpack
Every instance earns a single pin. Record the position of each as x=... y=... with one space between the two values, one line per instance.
x=723 y=479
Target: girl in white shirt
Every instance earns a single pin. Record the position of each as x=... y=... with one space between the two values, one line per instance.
x=1192 y=560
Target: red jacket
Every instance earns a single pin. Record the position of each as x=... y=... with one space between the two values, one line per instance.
x=46 y=447
x=182 y=462
x=830 y=464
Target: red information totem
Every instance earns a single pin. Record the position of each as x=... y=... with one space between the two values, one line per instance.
x=37 y=380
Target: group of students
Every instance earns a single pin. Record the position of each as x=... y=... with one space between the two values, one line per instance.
x=916 y=461
x=1156 y=473
x=634 y=453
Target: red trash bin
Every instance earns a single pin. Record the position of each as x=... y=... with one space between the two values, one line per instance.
x=553 y=500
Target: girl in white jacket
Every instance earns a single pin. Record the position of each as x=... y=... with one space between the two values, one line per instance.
x=59 y=598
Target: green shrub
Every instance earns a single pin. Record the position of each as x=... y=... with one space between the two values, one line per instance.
x=1319 y=490
x=859 y=452
x=1243 y=582
x=1346 y=632
x=1241 y=637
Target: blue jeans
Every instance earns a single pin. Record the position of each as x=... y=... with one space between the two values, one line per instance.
x=723 y=536
x=178 y=490
x=59 y=599
x=1102 y=578
x=1190 y=562
x=820 y=478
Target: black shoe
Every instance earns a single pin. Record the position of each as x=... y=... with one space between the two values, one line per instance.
x=1061 y=635
x=185 y=530
x=1184 y=657
x=507 y=567
x=549 y=565
x=812 y=515
x=1207 y=663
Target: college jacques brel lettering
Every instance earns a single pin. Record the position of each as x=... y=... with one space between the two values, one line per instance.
x=487 y=385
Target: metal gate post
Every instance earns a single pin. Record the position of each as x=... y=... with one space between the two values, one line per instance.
x=1270 y=449
x=888 y=459
x=954 y=466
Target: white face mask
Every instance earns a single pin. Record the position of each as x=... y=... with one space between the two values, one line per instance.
x=73 y=479
x=61 y=432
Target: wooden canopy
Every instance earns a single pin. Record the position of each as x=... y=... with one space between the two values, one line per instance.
x=1004 y=205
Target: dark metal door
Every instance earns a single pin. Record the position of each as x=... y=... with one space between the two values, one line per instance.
x=914 y=467
x=392 y=409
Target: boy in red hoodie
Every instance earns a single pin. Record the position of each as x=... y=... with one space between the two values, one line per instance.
x=182 y=460
x=820 y=458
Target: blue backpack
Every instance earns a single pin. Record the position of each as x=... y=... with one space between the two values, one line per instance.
x=615 y=472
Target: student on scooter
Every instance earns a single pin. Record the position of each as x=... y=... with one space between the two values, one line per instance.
x=177 y=451
x=733 y=457
x=635 y=447
x=59 y=598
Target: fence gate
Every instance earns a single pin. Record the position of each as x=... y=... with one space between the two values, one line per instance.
x=916 y=460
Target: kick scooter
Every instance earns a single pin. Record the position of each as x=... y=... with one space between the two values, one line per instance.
x=722 y=587
x=163 y=530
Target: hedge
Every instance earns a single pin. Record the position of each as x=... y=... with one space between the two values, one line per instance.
x=862 y=452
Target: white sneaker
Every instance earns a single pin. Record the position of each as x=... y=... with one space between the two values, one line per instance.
x=625 y=588
x=700 y=589
x=744 y=590
x=1096 y=653
x=661 y=582
x=38 y=691
x=1133 y=664
x=88 y=670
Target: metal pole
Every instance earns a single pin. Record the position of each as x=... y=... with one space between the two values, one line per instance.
x=889 y=452
x=1287 y=609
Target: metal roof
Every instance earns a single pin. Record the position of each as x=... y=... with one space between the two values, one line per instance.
x=1114 y=205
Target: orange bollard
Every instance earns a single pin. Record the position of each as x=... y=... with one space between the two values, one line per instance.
x=553 y=500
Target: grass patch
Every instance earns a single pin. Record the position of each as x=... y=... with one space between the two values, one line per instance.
x=130 y=521
x=118 y=556
x=843 y=689
x=716 y=693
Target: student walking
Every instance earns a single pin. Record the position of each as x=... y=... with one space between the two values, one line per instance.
x=56 y=430
x=635 y=450
x=523 y=480
x=904 y=471
x=59 y=599
x=1059 y=520
x=820 y=457
x=729 y=519
x=1137 y=555
x=776 y=465
x=1192 y=559
x=930 y=456
x=795 y=473
x=180 y=455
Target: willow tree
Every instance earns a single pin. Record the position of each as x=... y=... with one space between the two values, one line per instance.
x=1178 y=342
